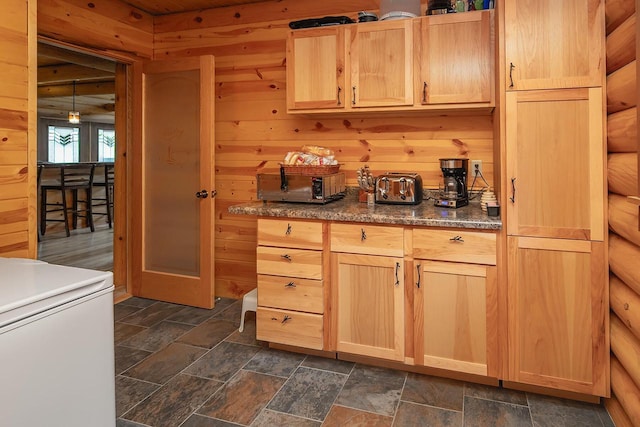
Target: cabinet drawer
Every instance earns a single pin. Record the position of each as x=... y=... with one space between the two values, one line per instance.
x=290 y=234
x=289 y=262
x=367 y=239
x=453 y=245
x=290 y=293
x=289 y=327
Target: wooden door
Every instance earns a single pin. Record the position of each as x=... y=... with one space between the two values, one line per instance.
x=555 y=164
x=558 y=314
x=455 y=310
x=381 y=58
x=554 y=44
x=456 y=59
x=315 y=68
x=370 y=311
x=173 y=181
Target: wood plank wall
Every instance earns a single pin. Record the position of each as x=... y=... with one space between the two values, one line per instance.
x=17 y=130
x=254 y=131
x=624 y=237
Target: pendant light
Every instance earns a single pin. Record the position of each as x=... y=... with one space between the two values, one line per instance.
x=74 y=116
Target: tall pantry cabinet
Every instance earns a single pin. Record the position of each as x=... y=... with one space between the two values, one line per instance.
x=555 y=194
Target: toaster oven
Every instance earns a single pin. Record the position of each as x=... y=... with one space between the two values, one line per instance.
x=301 y=188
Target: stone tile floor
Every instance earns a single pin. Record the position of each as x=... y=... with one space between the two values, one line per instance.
x=190 y=367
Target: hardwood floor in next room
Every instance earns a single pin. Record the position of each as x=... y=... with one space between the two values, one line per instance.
x=82 y=249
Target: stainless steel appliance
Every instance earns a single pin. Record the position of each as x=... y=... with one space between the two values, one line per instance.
x=454 y=194
x=399 y=188
x=301 y=188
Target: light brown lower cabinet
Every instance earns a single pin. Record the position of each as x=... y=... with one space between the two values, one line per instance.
x=370 y=304
x=455 y=309
x=558 y=306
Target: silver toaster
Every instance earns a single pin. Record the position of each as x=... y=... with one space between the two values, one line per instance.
x=399 y=188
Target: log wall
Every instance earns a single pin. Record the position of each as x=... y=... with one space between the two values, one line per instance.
x=624 y=237
x=254 y=131
x=17 y=130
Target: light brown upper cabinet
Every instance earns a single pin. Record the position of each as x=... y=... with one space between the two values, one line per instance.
x=455 y=59
x=554 y=44
x=555 y=164
x=429 y=63
x=382 y=64
x=315 y=68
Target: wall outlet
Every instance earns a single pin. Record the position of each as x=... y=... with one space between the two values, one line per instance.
x=476 y=167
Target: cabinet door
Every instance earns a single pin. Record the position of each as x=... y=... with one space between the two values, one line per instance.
x=382 y=64
x=558 y=308
x=370 y=305
x=555 y=164
x=554 y=44
x=455 y=310
x=315 y=68
x=456 y=59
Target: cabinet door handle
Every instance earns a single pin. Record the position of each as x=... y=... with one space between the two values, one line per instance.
x=397 y=278
x=290 y=285
x=511 y=67
x=339 y=92
x=418 y=270
x=513 y=190
x=424 y=93
x=363 y=235
x=457 y=239
x=286 y=256
x=285 y=319
x=354 y=96
x=288 y=232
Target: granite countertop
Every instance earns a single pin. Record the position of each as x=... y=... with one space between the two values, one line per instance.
x=349 y=209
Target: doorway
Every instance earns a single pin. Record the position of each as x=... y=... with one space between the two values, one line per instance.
x=77 y=80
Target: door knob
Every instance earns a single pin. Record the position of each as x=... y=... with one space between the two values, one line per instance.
x=202 y=194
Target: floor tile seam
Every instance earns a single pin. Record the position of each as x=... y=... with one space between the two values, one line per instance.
x=287 y=414
x=322 y=370
x=432 y=406
x=209 y=418
x=138 y=404
x=393 y=417
x=274 y=394
x=131 y=324
x=498 y=401
x=137 y=423
x=395 y=412
x=333 y=403
x=145 y=381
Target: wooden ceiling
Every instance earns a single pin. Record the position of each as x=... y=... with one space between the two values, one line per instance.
x=165 y=7
x=94 y=78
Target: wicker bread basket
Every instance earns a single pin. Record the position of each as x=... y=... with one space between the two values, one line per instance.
x=310 y=169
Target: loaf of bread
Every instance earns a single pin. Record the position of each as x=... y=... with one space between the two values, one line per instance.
x=317 y=151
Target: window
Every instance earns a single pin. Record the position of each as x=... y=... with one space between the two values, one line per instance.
x=64 y=144
x=106 y=145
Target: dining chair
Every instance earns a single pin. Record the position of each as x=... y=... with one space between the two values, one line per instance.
x=75 y=178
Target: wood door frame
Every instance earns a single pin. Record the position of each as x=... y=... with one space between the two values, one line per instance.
x=123 y=127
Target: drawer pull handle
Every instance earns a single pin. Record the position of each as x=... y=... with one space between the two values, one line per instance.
x=286 y=256
x=397 y=278
x=285 y=319
x=288 y=232
x=418 y=269
x=354 y=96
x=290 y=285
x=424 y=93
x=339 y=92
x=363 y=235
x=457 y=239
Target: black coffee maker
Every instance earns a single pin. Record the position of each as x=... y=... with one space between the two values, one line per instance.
x=454 y=194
